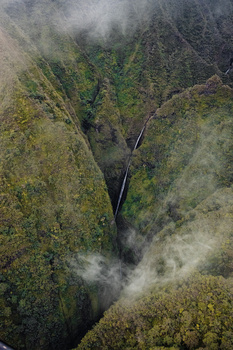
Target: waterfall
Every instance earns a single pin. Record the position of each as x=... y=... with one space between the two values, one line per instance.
x=139 y=137
x=122 y=188
x=128 y=166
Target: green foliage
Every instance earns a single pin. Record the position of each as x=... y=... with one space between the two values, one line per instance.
x=186 y=155
x=196 y=314
x=54 y=202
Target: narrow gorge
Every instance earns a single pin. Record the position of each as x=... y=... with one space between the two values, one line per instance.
x=116 y=153
x=123 y=186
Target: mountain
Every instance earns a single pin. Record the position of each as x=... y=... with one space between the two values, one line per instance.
x=54 y=204
x=79 y=81
x=180 y=195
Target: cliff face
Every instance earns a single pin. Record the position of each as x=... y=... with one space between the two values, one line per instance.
x=78 y=80
x=180 y=194
x=117 y=64
x=54 y=206
x=181 y=184
x=184 y=158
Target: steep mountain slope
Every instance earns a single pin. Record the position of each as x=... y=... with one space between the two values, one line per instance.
x=117 y=68
x=78 y=80
x=194 y=315
x=54 y=204
x=185 y=157
x=177 y=45
x=181 y=189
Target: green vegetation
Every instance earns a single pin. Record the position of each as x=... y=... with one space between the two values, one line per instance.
x=54 y=203
x=181 y=189
x=196 y=314
x=186 y=155
x=71 y=109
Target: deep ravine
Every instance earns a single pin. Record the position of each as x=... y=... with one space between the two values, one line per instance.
x=128 y=166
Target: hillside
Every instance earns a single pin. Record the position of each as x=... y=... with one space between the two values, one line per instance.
x=78 y=81
x=54 y=204
x=180 y=194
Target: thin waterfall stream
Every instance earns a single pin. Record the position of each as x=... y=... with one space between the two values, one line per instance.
x=128 y=166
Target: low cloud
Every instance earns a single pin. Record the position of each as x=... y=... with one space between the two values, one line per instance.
x=104 y=273
x=98 y=18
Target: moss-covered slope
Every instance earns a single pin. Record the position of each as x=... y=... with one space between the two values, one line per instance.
x=54 y=204
x=185 y=156
x=174 y=46
x=180 y=194
x=71 y=110
x=115 y=80
x=195 y=315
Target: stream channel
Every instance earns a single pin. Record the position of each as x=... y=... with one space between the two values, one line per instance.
x=128 y=166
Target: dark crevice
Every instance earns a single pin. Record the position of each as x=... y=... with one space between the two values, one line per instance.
x=129 y=255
